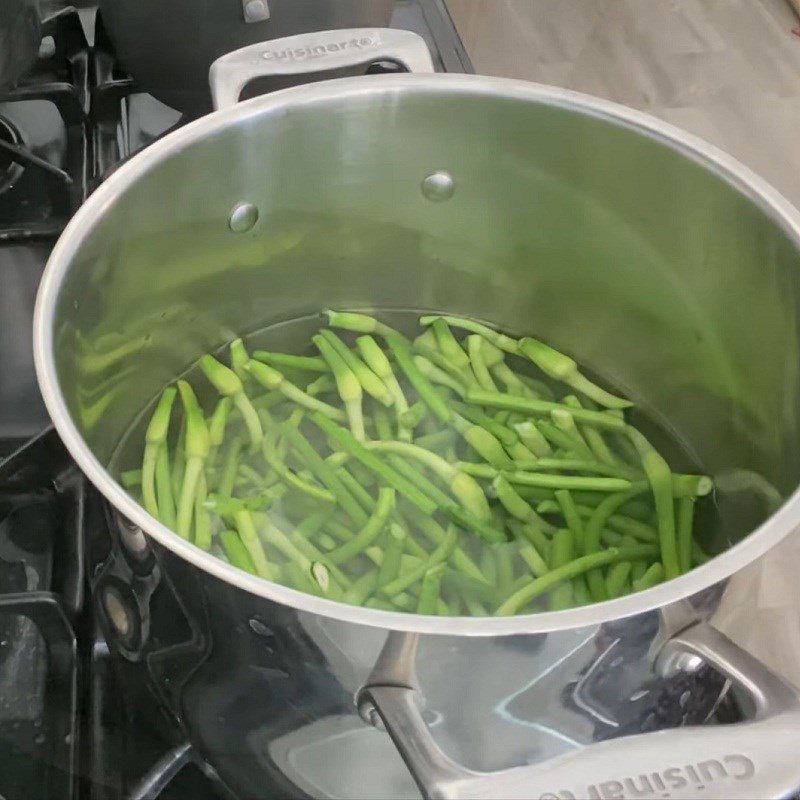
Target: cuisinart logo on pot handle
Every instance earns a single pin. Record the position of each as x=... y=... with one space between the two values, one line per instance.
x=320 y=50
x=315 y=52
x=702 y=777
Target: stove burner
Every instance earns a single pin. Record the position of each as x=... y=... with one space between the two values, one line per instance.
x=10 y=170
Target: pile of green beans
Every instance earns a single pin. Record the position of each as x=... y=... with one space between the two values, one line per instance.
x=464 y=472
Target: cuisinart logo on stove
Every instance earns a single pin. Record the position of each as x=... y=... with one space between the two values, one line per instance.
x=319 y=50
x=692 y=777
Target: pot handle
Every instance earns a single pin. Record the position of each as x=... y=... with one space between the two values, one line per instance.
x=757 y=758
x=314 y=52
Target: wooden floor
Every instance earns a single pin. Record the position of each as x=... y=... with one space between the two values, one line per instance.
x=727 y=70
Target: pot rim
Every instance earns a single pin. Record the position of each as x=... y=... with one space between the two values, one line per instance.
x=775 y=206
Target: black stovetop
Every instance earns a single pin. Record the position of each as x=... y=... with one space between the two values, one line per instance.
x=75 y=720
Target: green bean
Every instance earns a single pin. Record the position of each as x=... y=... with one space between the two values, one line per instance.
x=436 y=375
x=505 y=566
x=272 y=535
x=292 y=480
x=429 y=593
x=321 y=385
x=131 y=478
x=362 y=589
x=164 y=495
x=517 y=506
x=320 y=574
x=563 y=419
x=576 y=465
x=227 y=507
x=593 y=533
x=562 y=368
x=684 y=532
x=563 y=440
x=363 y=497
x=474 y=606
x=495 y=337
x=423 y=386
x=367 y=535
x=461 y=561
x=305 y=363
x=478 y=363
x=543 y=479
x=253 y=476
x=659 y=476
x=370 y=382
x=326 y=541
x=426 y=345
x=506 y=436
x=301 y=540
x=230 y=467
x=347 y=442
x=390 y=568
x=463 y=486
x=236 y=552
x=247 y=533
x=377 y=360
x=533 y=559
x=217 y=423
x=436 y=441
x=272 y=379
x=637 y=552
x=301 y=580
x=491 y=354
x=448 y=345
x=616 y=579
x=239 y=358
x=691 y=485
x=413 y=576
x=414 y=415
x=632 y=527
x=638 y=571
x=360 y=323
x=347 y=385
x=202 y=521
x=533 y=438
x=533 y=534
x=512 y=382
x=580 y=592
x=593 y=438
x=325 y=473
x=563 y=553
x=489 y=567
x=529 y=405
x=196 y=448
x=571 y=517
x=482 y=442
x=155 y=440
x=229 y=384
x=652 y=577
x=538 y=586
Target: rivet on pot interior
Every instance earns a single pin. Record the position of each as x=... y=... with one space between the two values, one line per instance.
x=439 y=186
x=243 y=217
x=370 y=715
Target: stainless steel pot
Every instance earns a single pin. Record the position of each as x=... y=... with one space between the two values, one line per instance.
x=168 y=46
x=656 y=259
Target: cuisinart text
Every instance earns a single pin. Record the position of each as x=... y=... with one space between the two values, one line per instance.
x=319 y=50
x=692 y=777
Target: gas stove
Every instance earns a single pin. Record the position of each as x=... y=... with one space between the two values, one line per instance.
x=75 y=720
